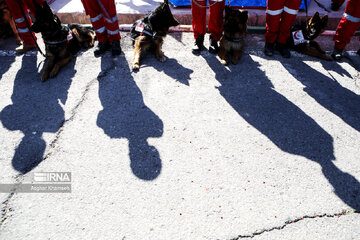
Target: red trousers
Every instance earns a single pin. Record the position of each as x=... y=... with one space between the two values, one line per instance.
x=280 y=16
x=16 y=12
x=103 y=18
x=215 y=25
x=348 y=24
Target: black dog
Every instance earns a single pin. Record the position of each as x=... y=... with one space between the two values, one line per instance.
x=62 y=42
x=150 y=32
x=302 y=37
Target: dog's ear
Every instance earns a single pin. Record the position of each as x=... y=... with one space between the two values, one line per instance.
x=325 y=18
x=244 y=15
x=317 y=15
x=166 y=1
x=47 y=8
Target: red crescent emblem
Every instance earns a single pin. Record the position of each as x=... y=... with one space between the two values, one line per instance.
x=295 y=36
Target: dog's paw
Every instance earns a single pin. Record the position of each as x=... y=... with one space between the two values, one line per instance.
x=54 y=72
x=328 y=58
x=161 y=58
x=44 y=77
x=135 y=67
x=224 y=62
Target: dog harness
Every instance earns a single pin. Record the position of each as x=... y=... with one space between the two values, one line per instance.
x=142 y=27
x=54 y=44
x=298 y=37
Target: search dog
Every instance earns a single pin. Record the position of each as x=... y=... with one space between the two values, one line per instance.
x=62 y=42
x=232 y=41
x=302 y=37
x=150 y=32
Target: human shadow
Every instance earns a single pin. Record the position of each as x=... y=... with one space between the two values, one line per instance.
x=125 y=115
x=328 y=92
x=6 y=62
x=247 y=89
x=35 y=109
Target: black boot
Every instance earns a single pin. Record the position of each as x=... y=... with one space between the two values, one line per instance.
x=198 y=45
x=358 y=52
x=283 y=50
x=101 y=48
x=115 y=48
x=213 y=47
x=269 y=49
x=337 y=54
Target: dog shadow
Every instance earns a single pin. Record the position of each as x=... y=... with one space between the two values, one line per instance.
x=35 y=109
x=173 y=69
x=329 y=93
x=251 y=94
x=125 y=115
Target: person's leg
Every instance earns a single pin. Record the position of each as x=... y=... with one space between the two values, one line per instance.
x=92 y=9
x=274 y=11
x=288 y=17
x=346 y=28
x=215 y=23
x=25 y=34
x=108 y=9
x=198 y=23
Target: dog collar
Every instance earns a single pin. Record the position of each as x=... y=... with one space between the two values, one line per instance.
x=234 y=39
x=68 y=38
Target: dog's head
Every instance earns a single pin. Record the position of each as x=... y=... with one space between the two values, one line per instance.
x=161 y=18
x=235 y=21
x=316 y=25
x=45 y=21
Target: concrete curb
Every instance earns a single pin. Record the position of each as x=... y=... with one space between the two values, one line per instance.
x=183 y=14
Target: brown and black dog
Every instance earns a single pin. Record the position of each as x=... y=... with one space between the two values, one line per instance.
x=232 y=41
x=62 y=42
x=302 y=37
x=149 y=33
x=7 y=24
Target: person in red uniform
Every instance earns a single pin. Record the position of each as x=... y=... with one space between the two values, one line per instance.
x=280 y=16
x=215 y=26
x=336 y=4
x=103 y=17
x=346 y=28
x=24 y=32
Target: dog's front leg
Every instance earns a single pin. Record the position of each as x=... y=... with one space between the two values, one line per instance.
x=137 y=56
x=158 y=52
x=316 y=46
x=50 y=61
x=315 y=53
x=59 y=65
x=223 y=56
x=237 y=55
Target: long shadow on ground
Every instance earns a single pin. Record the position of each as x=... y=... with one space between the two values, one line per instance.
x=247 y=89
x=125 y=115
x=328 y=92
x=35 y=109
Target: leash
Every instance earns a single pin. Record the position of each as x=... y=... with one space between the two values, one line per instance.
x=28 y=27
x=208 y=6
x=306 y=8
